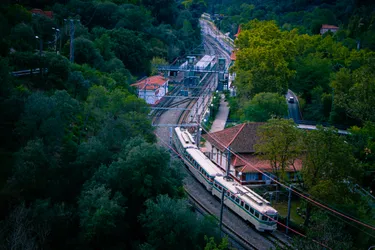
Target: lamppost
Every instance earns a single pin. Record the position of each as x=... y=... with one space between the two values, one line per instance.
x=56 y=35
x=40 y=45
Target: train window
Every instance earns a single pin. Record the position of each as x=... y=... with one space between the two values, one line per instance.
x=247 y=207
x=252 y=210
x=264 y=217
x=220 y=188
x=241 y=203
x=257 y=214
x=238 y=200
x=232 y=197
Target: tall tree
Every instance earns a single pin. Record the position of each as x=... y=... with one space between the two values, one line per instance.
x=328 y=163
x=169 y=224
x=280 y=144
x=263 y=57
x=264 y=106
x=99 y=212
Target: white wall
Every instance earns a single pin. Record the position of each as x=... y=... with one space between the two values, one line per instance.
x=149 y=95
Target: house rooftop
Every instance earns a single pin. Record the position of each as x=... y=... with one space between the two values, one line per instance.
x=240 y=138
x=250 y=163
x=238 y=31
x=41 y=12
x=327 y=26
x=150 y=83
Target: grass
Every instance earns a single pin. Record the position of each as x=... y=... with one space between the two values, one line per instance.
x=282 y=208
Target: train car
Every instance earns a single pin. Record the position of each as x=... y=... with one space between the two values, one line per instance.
x=202 y=168
x=182 y=140
x=207 y=62
x=246 y=203
x=240 y=199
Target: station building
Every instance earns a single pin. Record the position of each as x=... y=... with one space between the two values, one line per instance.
x=244 y=165
x=152 y=89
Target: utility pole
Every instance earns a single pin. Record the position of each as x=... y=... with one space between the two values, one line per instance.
x=71 y=34
x=57 y=33
x=289 y=204
x=198 y=130
x=222 y=193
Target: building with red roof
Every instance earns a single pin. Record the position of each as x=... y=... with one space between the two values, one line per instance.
x=48 y=14
x=326 y=27
x=152 y=88
x=244 y=165
x=238 y=31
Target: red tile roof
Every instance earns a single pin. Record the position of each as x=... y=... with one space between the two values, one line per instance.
x=250 y=163
x=41 y=12
x=238 y=31
x=327 y=26
x=151 y=83
x=240 y=138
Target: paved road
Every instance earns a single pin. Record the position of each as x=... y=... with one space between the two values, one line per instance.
x=293 y=108
x=221 y=116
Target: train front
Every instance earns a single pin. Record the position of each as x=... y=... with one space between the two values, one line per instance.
x=269 y=219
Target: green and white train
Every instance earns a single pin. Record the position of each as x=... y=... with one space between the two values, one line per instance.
x=240 y=199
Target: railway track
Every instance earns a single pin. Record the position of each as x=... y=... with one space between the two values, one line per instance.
x=237 y=230
x=232 y=233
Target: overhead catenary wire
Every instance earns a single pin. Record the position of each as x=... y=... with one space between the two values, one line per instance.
x=281 y=224
x=293 y=190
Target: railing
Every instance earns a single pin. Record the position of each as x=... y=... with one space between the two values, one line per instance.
x=324 y=124
x=27 y=72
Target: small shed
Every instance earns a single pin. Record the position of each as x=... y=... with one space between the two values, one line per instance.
x=152 y=89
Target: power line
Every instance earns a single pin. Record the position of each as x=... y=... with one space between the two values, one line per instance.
x=291 y=229
x=293 y=190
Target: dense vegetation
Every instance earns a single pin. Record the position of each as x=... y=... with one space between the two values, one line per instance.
x=327 y=72
x=331 y=170
x=280 y=48
x=79 y=167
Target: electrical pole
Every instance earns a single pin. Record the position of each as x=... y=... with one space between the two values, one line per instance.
x=71 y=34
x=198 y=131
x=72 y=31
x=289 y=204
x=222 y=193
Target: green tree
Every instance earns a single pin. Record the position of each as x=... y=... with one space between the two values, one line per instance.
x=280 y=144
x=157 y=61
x=58 y=71
x=99 y=213
x=211 y=244
x=23 y=38
x=105 y=46
x=91 y=155
x=131 y=49
x=77 y=85
x=262 y=59
x=265 y=106
x=170 y=225
x=85 y=52
x=31 y=171
x=326 y=230
x=328 y=162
